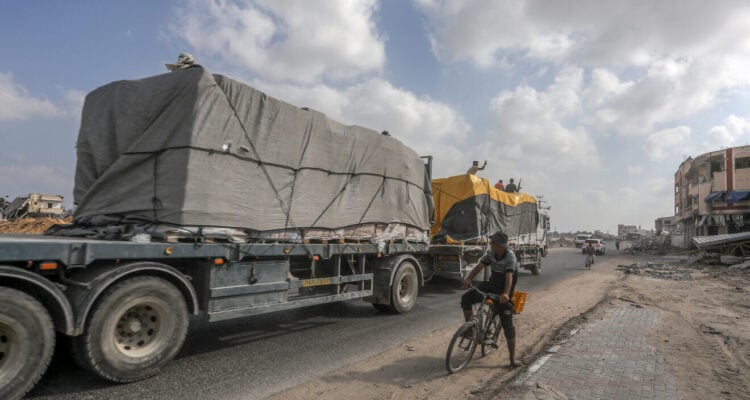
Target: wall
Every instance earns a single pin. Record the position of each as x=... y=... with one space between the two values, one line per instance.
x=720 y=181
x=742 y=179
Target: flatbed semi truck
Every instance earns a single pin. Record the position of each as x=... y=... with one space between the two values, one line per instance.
x=126 y=305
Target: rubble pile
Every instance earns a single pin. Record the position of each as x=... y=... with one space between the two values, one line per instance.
x=653 y=245
x=31 y=225
x=659 y=271
x=561 y=242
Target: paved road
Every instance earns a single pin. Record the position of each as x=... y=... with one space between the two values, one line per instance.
x=258 y=356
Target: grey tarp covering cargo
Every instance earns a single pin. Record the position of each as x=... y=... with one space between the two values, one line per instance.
x=194 y=149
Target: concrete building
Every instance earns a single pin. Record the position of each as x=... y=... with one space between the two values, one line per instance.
x=663 y=224
x=623 y=230
x=712 y=194
x=35 y=205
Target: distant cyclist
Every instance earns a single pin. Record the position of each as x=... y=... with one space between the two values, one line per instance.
x=502 y=262
x=590 y=255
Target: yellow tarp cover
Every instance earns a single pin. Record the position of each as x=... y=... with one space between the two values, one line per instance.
x=446 y=192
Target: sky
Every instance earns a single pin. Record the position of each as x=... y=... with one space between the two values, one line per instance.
x=591 y=104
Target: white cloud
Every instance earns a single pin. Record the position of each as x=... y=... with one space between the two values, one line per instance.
x=630 y=32
x=734 y=132
x=16 y=103
x=295 y=41
x=533 y=127
x=74 y=102
x=420 y=122
x=634 y=169
x=672 y=72
x=668 y=142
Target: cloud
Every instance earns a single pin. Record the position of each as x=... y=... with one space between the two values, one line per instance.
x=634 y=169
x=539 y=126
x=734 y=132
x=16 y=103
x=292 y=41
x=420 y=122
x=73 y=100
x=670 y=73
x=668 y=142
x=630 y=33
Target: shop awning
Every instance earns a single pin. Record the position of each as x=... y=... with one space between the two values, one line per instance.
x=715 y=196
x=737 y=195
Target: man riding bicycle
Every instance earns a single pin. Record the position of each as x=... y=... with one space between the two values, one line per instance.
x=502 y=262
x=590 y=250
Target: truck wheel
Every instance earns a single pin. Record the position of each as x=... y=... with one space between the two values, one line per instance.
x=136 y=327
x=537 y=266
x=27 y=341
x=405 y=288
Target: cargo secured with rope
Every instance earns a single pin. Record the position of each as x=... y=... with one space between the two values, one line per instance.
x=198 y=150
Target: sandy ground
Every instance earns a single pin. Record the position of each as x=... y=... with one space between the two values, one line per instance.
x=31 y=225
x=705 y=335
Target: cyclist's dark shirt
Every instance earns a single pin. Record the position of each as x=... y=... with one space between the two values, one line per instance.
x=500 y=268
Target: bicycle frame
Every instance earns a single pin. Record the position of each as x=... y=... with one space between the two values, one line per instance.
x=485 y=328
x=589 y=260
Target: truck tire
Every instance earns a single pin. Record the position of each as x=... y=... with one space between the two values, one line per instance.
x=405 y=288
x=136 y=328
x=27 y=341
x=537 y=265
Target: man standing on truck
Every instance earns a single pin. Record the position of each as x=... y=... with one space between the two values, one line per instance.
x=475 y=167
x=511 y=187
x=502 y=262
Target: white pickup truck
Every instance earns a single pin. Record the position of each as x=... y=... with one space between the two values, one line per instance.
x=580 y=239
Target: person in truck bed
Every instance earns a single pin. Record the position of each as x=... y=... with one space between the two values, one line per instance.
x=184 y=61
x=475 y=167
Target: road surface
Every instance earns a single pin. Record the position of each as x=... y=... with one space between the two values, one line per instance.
x=255 y=357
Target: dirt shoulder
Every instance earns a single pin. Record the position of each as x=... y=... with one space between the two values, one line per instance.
x=415 y=370
x=705 y=336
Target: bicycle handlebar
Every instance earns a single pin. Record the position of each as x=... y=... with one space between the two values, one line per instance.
x=485 y=294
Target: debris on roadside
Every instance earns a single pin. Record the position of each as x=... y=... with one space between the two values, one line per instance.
x=31 y=225
x=659 y=271
x=651 y=245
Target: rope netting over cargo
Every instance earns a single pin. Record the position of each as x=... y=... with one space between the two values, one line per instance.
x=468 y=208
x=190 y=151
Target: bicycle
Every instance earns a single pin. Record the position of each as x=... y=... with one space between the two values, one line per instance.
x=589 y=261
x=464 y=342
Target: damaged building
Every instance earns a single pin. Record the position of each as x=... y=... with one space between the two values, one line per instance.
x=34 y=205
x=712 y=194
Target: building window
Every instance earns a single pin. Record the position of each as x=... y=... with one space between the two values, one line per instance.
x=742 y=163
x=716 y=166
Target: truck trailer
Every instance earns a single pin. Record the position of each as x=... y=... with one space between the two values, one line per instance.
x=197 y=194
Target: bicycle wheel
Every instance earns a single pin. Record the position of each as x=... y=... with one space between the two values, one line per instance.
x=462 y=347
x=491 y=331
